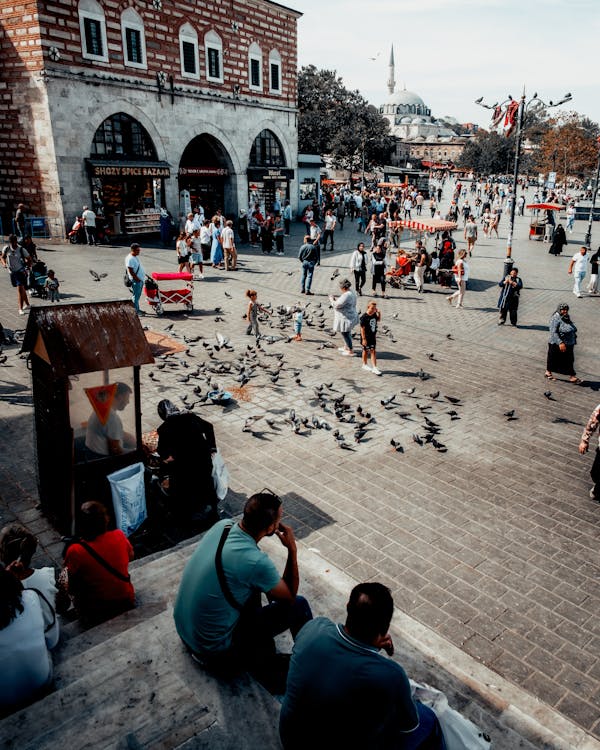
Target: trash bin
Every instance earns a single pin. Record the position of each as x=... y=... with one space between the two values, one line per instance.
x=117 y=223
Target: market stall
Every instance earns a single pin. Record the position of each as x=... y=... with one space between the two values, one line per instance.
x=541 y=227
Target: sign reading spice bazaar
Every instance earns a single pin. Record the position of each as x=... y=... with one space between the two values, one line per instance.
x=102 y=169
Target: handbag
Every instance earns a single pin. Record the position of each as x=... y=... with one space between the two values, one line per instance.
x=127 y=280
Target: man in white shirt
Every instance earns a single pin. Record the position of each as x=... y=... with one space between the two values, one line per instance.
x=198 y=218
x=189 y=224
x=330 y=223
x=89 y=222
x=229 y=251
x=578 y=269
x=135 y=271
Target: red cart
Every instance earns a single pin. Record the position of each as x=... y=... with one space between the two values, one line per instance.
x=169 y=289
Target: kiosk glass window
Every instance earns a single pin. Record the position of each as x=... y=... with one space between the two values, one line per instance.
x=102 y=413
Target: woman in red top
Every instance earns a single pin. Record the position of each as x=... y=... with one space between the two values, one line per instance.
x=100 y=589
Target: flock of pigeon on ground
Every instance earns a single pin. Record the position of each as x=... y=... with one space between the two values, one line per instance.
x=420 y=414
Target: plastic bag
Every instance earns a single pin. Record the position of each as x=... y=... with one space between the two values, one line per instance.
x=220 y=476
x=129 y=497
x=459 y=732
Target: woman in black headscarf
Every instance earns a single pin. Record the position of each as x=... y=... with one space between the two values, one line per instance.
x=561 y=343
x=558 y=241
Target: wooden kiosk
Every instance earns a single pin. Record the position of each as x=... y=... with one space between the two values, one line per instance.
x=85 y=361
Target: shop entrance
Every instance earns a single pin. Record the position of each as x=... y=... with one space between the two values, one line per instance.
x=268 y=179
x=126 y=178
x=205 y=172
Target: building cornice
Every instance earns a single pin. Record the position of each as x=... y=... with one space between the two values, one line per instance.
x=162 y=88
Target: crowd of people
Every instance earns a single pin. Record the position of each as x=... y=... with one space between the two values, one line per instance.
x=219 y=615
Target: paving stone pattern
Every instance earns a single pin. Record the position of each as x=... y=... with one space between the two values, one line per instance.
x=493 y=544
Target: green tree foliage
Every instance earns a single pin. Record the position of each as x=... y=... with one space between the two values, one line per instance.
x=487 y=153
x=338 y=122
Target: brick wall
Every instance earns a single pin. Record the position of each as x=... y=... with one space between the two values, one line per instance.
x=268 y=25
x=20 y=55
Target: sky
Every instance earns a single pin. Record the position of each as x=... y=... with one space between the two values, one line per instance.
x=451 y=52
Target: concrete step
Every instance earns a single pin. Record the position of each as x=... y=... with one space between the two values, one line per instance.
x=139 y=688
x=129 y=683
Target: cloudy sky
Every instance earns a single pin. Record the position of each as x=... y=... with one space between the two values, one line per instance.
x=451 y=52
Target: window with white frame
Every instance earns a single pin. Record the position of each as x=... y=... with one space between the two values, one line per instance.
x=213 y=48
x=92 y=27
x=255 y=67
x=274 y=72
x=134 y=41
x=188 y=51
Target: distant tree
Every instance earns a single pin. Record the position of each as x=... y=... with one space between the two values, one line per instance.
x=569 y=147
x=487 y=153
x=338 y=122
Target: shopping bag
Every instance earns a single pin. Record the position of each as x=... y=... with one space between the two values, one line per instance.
x=459 y=732
x=220 y=476
x=129 y=497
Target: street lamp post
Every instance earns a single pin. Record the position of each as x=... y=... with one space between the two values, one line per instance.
x=536 y=104
x=588 y=234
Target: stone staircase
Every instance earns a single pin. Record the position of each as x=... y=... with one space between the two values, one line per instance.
x=129 y=683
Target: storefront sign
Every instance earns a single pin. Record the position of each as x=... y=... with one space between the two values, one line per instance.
x=266 y=175
x=204 y=171
x=98 y=169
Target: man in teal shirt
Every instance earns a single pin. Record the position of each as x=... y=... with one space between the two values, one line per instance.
x=342 y=693
x=222 y=621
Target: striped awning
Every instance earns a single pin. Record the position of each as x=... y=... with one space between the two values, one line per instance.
x=425 y=225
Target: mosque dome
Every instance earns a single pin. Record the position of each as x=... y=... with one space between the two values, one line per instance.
x=406 y=120
x=406 y=98
x=418 y=121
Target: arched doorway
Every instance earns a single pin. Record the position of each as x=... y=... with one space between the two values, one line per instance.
x=268 y=178
x=127 y=180
x=205 y=176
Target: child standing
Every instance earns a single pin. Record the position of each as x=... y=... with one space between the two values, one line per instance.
x=51 y=286
x=252 y=314
x=298 y=315
x=368 y=336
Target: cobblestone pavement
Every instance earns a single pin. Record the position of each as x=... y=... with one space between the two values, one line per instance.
x=492 y=544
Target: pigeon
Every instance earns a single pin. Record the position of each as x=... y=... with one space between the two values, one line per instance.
x=97 y=276
x=169 y=327
x=408 y=391
x=396 y=446
x=424 y=408
x=453 y=414
x=449 y=337
x=429 y=423
x=228 y=295
x=388 y=401
x=509 y=414
x=417 y=440
x=431 y=356
x=452 y=399
x=272 y=424
x=434 y=396
x=422 y=375
x=548 y=395
x=440 y=447
x=335 y=274
x=219 y=319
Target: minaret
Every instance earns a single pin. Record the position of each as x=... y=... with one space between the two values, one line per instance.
x=391 y=84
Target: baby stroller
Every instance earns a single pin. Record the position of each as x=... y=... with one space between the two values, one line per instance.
x=37 y=279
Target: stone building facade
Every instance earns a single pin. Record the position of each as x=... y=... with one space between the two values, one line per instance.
x=133 y=105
